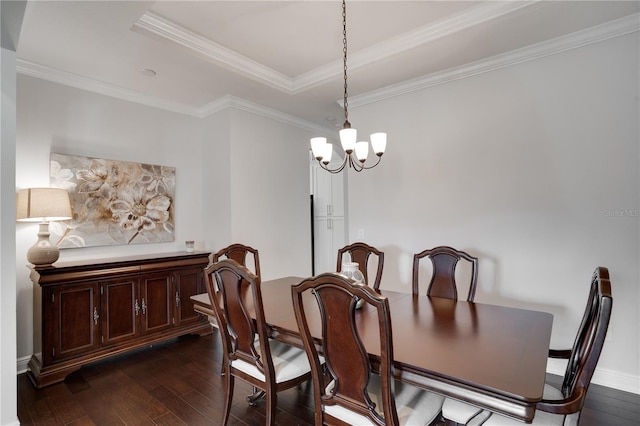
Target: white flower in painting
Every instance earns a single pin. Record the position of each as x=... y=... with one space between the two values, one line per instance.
x=157 y=178
x=101 y=175
x=139 y=210
x=61 y=178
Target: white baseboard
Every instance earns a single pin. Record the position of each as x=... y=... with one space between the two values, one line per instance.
x=603 y=377
x=23 y=364
x=608 y=378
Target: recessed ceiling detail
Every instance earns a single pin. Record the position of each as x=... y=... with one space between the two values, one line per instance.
x=216 y=53
x=280 y=58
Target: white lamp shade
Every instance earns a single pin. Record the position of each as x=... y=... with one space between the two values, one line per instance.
x=42 y=205
x=379 y=143
x=362 y=151
x=327 y=153
x=317 y=146
x=348 y=138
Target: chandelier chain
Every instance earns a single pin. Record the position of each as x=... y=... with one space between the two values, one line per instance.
x=344 y=51
x=356 y=153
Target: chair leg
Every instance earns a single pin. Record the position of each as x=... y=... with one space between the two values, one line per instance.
x=272 y=398
x=256 y=396
x=229 y=384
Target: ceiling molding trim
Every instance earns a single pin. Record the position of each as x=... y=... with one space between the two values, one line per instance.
x=410 y=40
x=214 y=52
x=73 y=80
x=229 y=101
x=596 y=34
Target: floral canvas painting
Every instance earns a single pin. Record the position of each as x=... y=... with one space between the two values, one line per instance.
x=113 y=202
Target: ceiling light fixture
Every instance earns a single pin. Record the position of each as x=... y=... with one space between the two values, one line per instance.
x=356 y=153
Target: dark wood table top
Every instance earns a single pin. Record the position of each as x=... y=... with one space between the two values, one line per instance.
x=491 y=356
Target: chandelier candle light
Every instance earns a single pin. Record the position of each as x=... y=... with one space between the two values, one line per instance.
x=356 y=153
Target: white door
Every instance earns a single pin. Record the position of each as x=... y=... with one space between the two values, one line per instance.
x=329 y=237
x=329 y=217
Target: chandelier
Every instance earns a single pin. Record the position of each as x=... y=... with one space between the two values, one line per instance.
x=356 y=153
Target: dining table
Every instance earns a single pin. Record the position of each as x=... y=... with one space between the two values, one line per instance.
x=491 y=356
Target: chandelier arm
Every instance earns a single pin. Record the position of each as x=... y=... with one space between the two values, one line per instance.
x=337 y=170
x=363 y=167
x=355 y=164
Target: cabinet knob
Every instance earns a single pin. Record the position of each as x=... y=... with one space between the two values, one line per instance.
x=136 y=307
x=177 y=299
x=96 y=316
x=144 y=307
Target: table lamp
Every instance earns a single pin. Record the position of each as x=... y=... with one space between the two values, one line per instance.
x=43 y=205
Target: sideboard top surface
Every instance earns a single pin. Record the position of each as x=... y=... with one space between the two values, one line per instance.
x=92 y=268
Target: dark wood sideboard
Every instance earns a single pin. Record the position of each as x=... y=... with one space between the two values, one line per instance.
x=91 y=310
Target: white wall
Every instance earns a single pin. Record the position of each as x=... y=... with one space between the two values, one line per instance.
x=239 y=177
x=528 y=168
x=270 y=193
x=216 y=190
x=8 y=379
x=56 y=118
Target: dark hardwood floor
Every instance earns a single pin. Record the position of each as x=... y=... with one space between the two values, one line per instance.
x=178 y=383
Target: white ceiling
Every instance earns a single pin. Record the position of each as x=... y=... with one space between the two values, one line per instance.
x=285 y=57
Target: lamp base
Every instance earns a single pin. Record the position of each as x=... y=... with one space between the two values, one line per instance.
x=42 y=253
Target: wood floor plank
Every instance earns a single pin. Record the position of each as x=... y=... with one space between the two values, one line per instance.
x=66 y=405
x=44 y=413
x=179 y=383
x=181 y=408
x=169 y=419
x=127 y=410
x=83 y=421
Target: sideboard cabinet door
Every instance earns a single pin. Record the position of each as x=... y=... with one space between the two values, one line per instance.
x=155 y=302
x=188 y=282
x=74 y=320
x=120 y=310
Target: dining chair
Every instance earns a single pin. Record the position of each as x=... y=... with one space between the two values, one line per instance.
x=361 y=253
x=249 y=354
x=240 y=253
x=444 y=260
x=558 y=406
x=346 y=391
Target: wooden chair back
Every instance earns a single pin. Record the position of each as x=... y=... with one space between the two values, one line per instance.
x=587 y=346
x=235 y=295
x=240 y=253
x=347 y=362
x=360 y=253
x=444 y=260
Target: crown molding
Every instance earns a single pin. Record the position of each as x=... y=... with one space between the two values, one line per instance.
x=80 y=82
x=596 y=34
x=578 y=39
x=214 y=52
x=410 y=40
x=229 y=101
